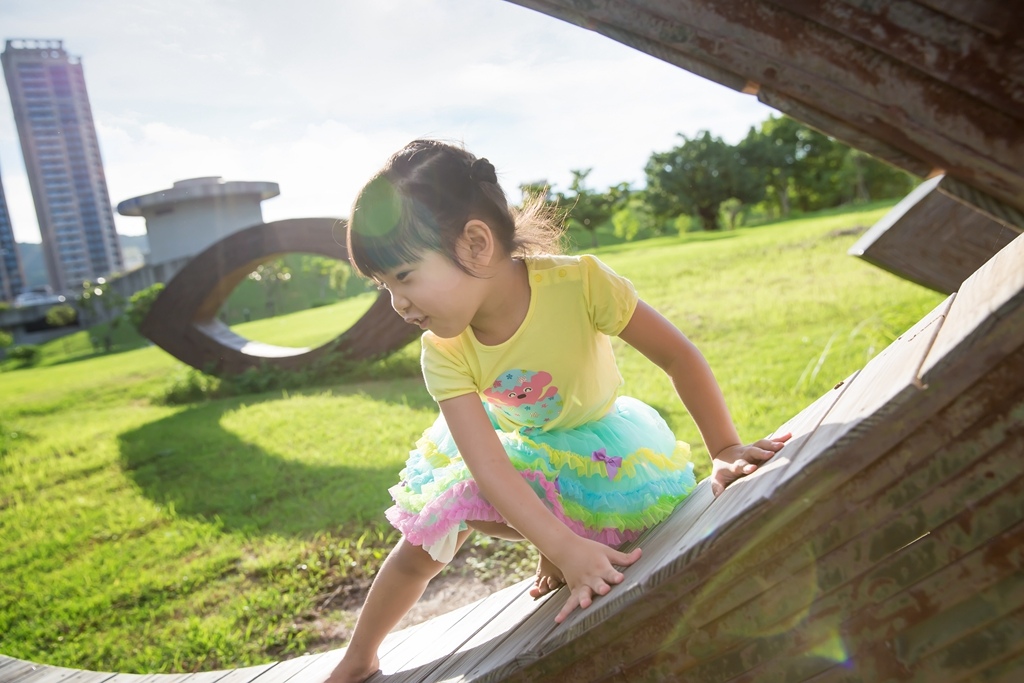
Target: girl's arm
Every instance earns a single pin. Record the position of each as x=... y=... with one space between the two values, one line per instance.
x=586 y=565
x=668 y=348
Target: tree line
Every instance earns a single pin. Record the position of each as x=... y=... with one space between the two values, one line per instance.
x=704 y=183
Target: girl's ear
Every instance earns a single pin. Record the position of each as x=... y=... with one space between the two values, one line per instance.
x=476 y=243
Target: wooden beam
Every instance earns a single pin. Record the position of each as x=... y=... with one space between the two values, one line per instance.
x=946 y=49
x=798 y=60
x=934 y=239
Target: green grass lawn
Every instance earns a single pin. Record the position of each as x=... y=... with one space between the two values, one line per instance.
x=138 y=536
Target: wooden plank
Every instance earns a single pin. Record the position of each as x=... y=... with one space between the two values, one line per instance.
x=946 y=630
x=16 y=669
x=53 y=674
x=866 y=544
x=826 y=566
x=243 y=675
x=976 y=651
x=202 y=677
x=906 y=157
x=287 y=670
x=491 y=648
x=933 y=239
x=942 y=47
x=996 y=18
x=873 y=625
x=1009 y=670
x=988 y=205
x=319 y=668
x=985 y=322
x=11 y=668
x=447 y=634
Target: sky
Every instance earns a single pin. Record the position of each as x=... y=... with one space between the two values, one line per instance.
x=316 y=94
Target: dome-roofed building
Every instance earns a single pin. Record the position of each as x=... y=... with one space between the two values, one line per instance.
x=193 y=214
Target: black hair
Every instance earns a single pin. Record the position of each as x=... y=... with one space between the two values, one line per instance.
x=422 y=199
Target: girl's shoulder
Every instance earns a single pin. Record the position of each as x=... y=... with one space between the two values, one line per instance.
x=538 y=262
x=584 y=266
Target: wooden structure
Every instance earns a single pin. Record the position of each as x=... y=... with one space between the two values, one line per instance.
x=885 y=543
x=936 y=239
x=183 y=320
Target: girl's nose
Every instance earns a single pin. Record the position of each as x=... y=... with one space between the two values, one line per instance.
x=399 y=303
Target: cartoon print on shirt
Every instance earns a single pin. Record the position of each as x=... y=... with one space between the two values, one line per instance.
x=525 y=397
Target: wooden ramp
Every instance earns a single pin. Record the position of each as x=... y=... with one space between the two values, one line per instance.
x=885 y=543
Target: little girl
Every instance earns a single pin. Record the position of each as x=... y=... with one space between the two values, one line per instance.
x=532 y=441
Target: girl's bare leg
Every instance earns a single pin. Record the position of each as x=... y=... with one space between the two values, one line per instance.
x=398 y=585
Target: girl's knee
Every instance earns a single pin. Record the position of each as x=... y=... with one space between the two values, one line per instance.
x=415 y=560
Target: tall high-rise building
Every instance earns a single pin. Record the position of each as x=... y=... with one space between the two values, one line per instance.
x=12 y=277
x=62 y=158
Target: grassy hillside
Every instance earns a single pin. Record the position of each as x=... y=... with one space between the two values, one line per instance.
x=138 y=536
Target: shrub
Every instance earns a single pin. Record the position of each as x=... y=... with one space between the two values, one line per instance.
x=26 y=354
x=190 y=387
x=140 y=303
x=61 y=315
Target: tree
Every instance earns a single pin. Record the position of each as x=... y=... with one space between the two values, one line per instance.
x=61 y=315
x=6 y=339
x=273 y=275
x=331 y=273
x=98 y=300
x=695 y=177
x=584 y=208
x=771 y=153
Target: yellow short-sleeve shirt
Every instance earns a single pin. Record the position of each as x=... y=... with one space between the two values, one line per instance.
x=558 y=369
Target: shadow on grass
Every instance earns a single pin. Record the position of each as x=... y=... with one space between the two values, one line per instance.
x=194 y=467
x=90 y=354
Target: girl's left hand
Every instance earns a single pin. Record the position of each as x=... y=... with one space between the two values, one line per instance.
x=736 y=462
x=589 y=572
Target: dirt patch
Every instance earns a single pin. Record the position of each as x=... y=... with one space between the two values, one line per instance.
x=457 y=586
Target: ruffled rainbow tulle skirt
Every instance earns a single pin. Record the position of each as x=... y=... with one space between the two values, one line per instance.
x=607 y=480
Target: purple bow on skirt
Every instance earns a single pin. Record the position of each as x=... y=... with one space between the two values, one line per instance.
x=612 y=463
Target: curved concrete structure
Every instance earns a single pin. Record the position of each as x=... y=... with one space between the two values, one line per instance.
x=183 y=320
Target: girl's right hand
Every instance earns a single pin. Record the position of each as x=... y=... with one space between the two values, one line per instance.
x=589 y=572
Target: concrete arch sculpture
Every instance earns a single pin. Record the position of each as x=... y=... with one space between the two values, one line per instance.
x=183 y=320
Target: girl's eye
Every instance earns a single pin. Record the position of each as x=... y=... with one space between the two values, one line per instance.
x=403 y=275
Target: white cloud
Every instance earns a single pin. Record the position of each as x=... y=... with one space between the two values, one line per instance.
x=314 y=94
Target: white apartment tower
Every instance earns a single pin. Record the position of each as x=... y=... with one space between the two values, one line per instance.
x=62 y=159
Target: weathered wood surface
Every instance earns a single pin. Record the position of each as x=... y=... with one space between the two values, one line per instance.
x=934 y=239
x=923 y=84
x=183 y=320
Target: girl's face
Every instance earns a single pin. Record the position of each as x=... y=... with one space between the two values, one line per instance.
x=434 y=293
